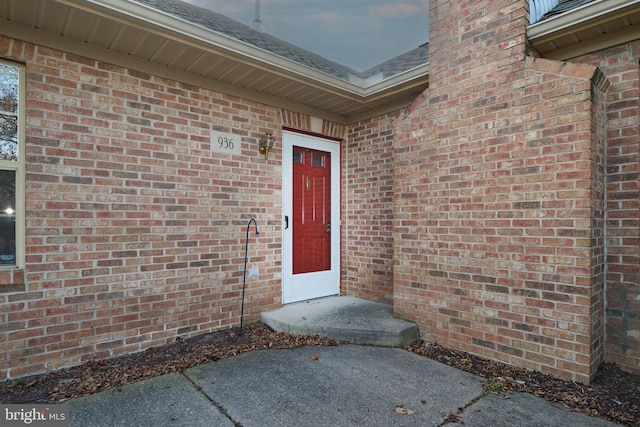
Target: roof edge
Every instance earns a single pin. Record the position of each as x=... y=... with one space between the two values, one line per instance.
x=30 y=35
x=239 y=50
x=179 y=29
x=580 y=15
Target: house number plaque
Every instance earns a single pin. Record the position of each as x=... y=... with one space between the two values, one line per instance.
x=226 y=143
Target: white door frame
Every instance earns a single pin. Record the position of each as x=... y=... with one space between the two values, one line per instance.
x=306 y=286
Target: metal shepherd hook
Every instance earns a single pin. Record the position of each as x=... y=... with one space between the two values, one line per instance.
x=244 y=277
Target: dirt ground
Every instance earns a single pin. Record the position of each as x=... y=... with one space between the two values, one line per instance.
x=614 y=395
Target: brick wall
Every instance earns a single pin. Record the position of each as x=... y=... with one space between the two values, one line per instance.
x=368 y=212
x=135 y=228
x=495 y=175
x=620 y=65
x=499 y=197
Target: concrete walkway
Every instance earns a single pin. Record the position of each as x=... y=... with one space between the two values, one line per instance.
x=347 y=385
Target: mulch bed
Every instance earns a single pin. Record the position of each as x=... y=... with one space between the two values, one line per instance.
x=614 y=395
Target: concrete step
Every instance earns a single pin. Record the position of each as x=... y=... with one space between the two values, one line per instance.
x=345 y=318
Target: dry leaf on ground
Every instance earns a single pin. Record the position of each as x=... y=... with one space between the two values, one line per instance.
x=402 y=410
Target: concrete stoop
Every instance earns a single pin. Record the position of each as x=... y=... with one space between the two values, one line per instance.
x=345 y=318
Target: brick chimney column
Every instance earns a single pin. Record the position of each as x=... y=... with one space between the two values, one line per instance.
x=498 y=242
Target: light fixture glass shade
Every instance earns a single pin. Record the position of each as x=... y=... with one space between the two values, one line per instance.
x=266 y=143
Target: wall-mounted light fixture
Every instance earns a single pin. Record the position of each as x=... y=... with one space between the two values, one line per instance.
x=266 y=143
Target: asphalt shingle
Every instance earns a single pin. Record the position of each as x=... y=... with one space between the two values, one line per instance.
x=564 y=6
x=224 y=25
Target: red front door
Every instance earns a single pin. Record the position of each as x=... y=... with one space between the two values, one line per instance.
x=311 y=210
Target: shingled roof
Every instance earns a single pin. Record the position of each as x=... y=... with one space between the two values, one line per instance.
x=226 y=26
x=564 y=6
x=400 y=63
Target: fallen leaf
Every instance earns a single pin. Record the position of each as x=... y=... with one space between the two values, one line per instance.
x=401 y=410
x=314 y=357
x=450 y=417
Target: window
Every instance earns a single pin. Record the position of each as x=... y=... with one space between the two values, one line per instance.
x=11 y=164
x=318 y=160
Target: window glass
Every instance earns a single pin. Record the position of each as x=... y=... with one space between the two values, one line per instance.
x=8 y=112
x=11 y=165
x=7 y=217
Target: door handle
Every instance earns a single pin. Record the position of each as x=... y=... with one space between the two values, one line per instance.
x=286 y=222
x=329 y=227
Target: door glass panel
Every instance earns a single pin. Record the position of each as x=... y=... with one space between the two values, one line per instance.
x=318 y=160
x=311 y=211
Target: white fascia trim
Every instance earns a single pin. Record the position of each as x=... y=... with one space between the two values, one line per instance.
x=577 y=16
x=237 y=49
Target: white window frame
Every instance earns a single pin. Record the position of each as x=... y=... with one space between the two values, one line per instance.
x=19 y=169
